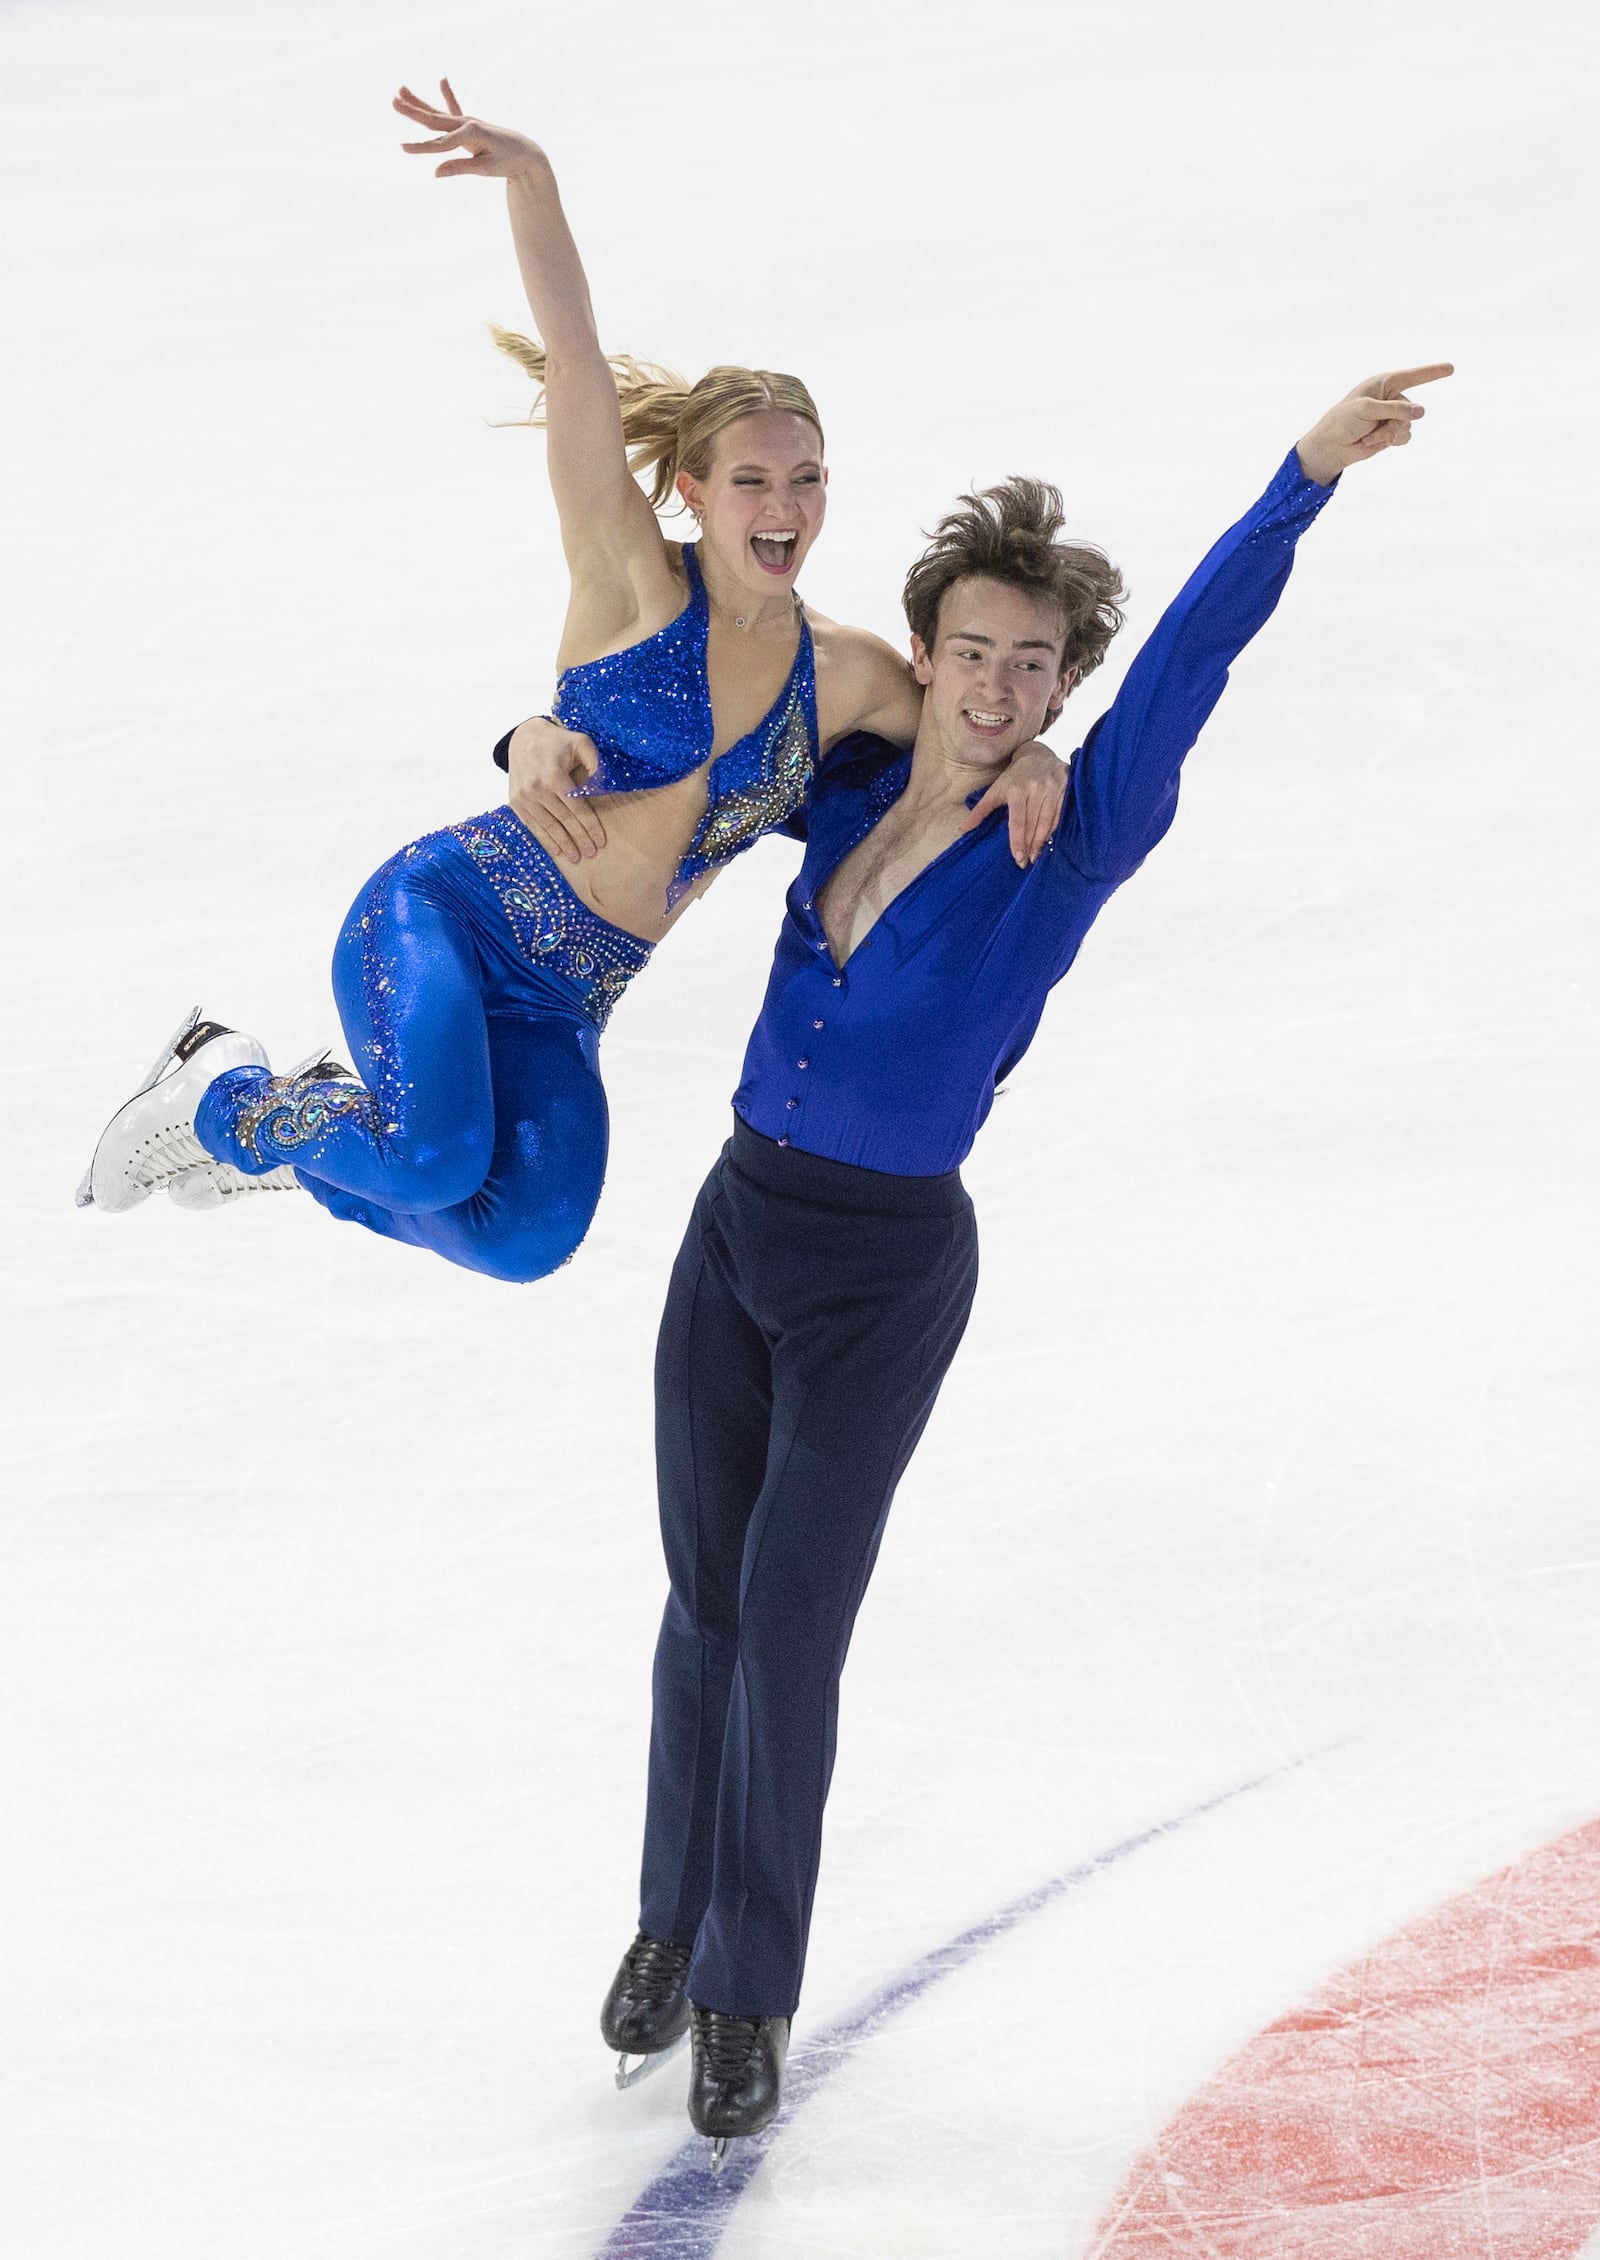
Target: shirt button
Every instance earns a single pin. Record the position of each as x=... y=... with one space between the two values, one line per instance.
x=819 y=1024
x=808 y=902
x=802 y=1063
x=783 y=1141
x=838 y=980
x=791 y=1104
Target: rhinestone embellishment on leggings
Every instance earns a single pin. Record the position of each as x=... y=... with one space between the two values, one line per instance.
x=553 y=926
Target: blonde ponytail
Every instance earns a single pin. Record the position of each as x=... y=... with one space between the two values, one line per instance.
x=669 y=425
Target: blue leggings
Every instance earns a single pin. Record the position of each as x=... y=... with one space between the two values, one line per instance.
x=471 y=985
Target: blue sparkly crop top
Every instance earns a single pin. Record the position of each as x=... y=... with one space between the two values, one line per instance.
x=648 y=710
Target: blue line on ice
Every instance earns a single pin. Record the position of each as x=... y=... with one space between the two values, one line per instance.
x=685 y=2210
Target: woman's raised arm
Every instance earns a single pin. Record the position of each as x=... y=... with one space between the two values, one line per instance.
x=605 y=517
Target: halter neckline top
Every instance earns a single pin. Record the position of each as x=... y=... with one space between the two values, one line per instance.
x=648 y=710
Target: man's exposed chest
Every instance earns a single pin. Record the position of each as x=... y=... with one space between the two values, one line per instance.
x=897 y=850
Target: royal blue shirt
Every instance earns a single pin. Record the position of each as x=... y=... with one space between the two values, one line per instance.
x=890 y=1061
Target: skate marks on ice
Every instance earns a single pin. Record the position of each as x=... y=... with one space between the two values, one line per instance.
x=684 y=2213
x=1441 y=2095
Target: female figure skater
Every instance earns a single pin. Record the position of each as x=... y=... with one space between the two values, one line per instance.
x=472 y=976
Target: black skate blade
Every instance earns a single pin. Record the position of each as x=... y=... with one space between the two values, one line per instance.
x=643 y=2066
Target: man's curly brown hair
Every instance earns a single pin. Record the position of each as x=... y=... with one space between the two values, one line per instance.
x=1009 y=533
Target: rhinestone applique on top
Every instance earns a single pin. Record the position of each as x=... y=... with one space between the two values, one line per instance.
x=648 y=710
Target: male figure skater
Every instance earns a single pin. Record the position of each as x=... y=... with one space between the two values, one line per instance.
x=829 y=1266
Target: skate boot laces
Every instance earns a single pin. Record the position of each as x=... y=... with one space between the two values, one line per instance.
x=656 y=1970
x=728 y=2042
x=166 y=1153
x=220 y=1185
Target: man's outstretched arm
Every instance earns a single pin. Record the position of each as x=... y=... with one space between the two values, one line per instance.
x=1126 y=785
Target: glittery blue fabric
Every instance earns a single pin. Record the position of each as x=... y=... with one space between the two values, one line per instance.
x=472 y=985
x=648 y=710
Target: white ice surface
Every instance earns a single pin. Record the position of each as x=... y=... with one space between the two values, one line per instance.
x=329 y=1573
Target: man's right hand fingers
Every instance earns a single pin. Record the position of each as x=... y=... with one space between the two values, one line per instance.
x=572 y=821
x=1377 y=410
x=583 y=818
x=1401 y=380
x=549 y=822
x=1389 y=382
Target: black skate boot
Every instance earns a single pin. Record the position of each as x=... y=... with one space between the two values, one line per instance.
x=645 y=2013
x=736 y=2084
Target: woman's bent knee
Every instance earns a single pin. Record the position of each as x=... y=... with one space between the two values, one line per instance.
x=424 y=1177
x=533 y=1251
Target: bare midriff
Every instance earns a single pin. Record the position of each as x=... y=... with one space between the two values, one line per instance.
x=647 y=837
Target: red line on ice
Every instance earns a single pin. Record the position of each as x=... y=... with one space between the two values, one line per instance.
x=1438 y=2100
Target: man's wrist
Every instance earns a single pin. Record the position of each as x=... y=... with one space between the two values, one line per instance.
x=1314 y=468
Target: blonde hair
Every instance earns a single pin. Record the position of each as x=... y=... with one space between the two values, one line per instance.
x=668 y=424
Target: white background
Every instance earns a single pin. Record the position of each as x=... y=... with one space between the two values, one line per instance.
x=329 y=1572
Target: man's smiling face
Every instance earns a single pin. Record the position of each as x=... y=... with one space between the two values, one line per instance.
x=995 y=676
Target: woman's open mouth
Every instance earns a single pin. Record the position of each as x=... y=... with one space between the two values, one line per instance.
x=775 y=553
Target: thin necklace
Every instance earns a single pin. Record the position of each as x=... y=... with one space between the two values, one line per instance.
x=794 y=599
x=739 y=618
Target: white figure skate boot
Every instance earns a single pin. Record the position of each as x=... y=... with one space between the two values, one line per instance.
x=151 y=1140
x=217 y=1184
